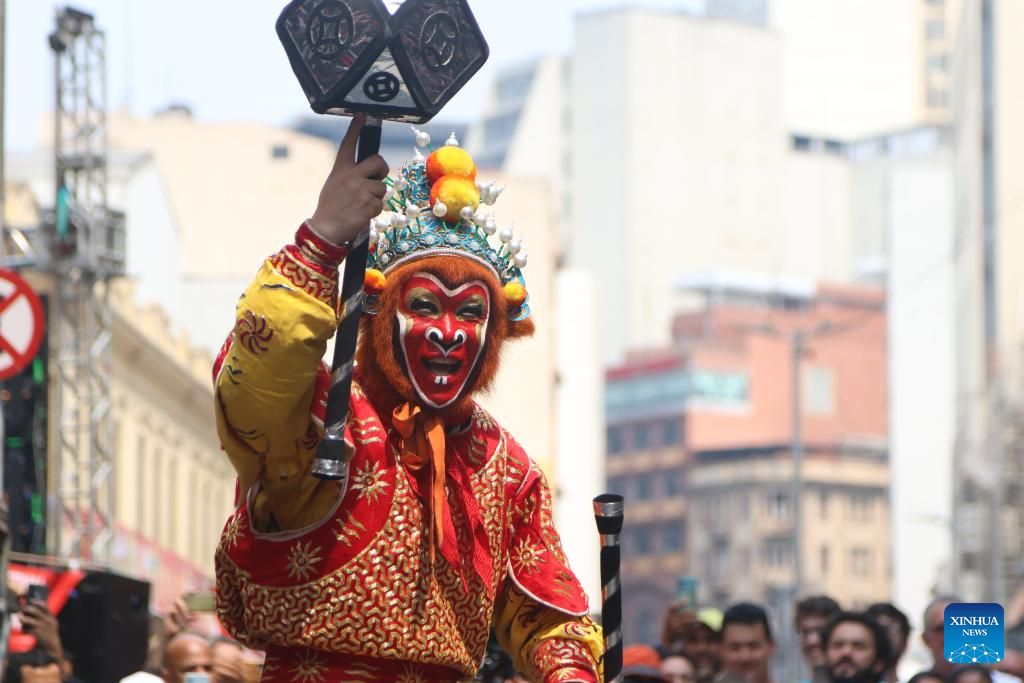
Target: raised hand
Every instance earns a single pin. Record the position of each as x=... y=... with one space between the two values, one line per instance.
x=353 y=193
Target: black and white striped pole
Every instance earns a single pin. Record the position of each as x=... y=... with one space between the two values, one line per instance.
x=399 y=60
x=608 y=512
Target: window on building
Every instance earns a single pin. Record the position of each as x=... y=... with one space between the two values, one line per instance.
x=673 y=484
x=499 y=129
x=860 y=506
x=935 y=29
x=515 y=86
x=777 y=552
x=970 y=562
x=156 y=506
x=860 y=561
x=195 y=532
x=720 y=559
x=646 y=623
x=641 y=436
x=279 y=152
x=937 y=63
x=743 y=508
x=671 y=538
x=173 y=510
x=824 y=556
x=614 y=440
x=617 y=485
x=744 y=561
x=819 y=391
x=938 y=97
x=642 y=540
x=671 y=432
x=801 y=143
x=834 y=147
x=778 y=505
x=644 y=486
x=140 y=486
x=823 y=498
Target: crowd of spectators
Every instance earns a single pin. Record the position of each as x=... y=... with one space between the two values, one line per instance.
x=705 y=645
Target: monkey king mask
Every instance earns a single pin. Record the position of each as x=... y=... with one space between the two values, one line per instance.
x=441 y=333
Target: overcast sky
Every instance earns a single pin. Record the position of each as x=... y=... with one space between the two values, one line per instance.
x=222 y=57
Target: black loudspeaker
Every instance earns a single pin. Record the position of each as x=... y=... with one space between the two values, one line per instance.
x=105 y=627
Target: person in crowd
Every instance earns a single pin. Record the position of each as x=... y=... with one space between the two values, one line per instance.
x=35 y=666
x=812 y=613
x=678 y=668
x=897 y=626
x=186 y=653
x=747 y=645
x=37 y=619
x=677 y=616
x=970 y=673
x=1012 y=663
x=640 y=664
x=856 y=648
x=226 y=657
x=933 y=633
x=702 y=642
x=927 y=676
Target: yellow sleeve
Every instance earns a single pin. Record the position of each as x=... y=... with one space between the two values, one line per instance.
x=547 y=645
x=265 y=385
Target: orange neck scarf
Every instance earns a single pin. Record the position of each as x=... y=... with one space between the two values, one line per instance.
x=422 y=445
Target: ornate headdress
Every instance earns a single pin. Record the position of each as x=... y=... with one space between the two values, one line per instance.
x=435 y=210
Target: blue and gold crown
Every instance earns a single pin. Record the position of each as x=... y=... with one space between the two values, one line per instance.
x=436 y=208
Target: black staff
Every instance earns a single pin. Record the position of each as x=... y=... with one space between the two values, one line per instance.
x=399 y=64
x=608 y=511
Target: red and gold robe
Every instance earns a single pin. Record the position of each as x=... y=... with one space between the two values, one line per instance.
x=340 y=583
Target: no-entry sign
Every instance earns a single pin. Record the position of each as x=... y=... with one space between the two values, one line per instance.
x=21 y=323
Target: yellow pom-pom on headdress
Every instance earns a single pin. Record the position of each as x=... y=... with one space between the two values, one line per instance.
x=450 y=160
x=453 y=192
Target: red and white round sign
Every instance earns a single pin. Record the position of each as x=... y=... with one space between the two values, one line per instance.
x=22 y=322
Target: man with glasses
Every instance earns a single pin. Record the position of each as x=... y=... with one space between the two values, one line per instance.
x=897 y=627
x=812 y=614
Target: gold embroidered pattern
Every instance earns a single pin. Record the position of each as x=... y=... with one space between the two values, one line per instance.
x=547 y=523
x=528 y=557
x=255 y=333
x=555 y=654
x=477 y=450
x=482 y=419
x=231 y=531
x=305 y=278
x=369 y=482
x=410 y=674
x=394 y=605
x=310 y=669
x=349 y=529
x=303 y=560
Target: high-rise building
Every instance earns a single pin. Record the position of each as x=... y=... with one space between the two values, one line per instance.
x=988 y=99
x=856 y=68
x=701 y=441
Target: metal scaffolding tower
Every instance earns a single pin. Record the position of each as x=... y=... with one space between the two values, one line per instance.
x=87 y=251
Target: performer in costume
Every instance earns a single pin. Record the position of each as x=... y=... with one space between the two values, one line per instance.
x=444 y=527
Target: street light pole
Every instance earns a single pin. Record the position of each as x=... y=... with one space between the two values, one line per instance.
x=798 y=341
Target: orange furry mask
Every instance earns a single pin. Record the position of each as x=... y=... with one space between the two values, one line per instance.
x=381 y=366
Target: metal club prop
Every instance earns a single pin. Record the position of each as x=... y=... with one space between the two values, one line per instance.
x=608 y=512
x=396 y=60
